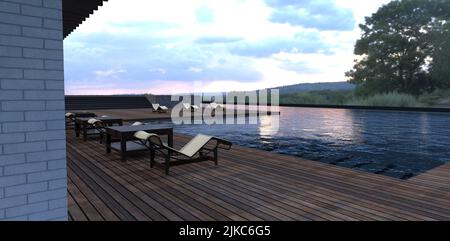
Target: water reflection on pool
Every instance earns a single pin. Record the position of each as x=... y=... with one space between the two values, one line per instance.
x=397 y=144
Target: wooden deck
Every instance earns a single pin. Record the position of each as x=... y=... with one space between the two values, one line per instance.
x=248 y=184
x=131 y=114
x=146 y=114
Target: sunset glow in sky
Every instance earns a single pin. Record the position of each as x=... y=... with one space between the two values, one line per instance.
x=173 y=46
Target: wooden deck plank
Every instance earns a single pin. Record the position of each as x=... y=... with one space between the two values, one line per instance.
x=165 y=186
x=318 y=207
x=109 y=200
x=186 y=197
x=332 y=174
x=340 y=187
x=96 y=202
x=437 y=178
x=274 y=169
x=139 y=186
x=82 y=205
x=317 y=202
x=228 y=194
x=249 y=184
x=138 y=209
x=75 y=211
x=369 y=180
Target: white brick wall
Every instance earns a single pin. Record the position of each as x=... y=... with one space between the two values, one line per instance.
x=33 y=175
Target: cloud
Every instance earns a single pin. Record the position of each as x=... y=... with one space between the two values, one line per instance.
x=159 y=70
x=155 y=25
x=109 y=73
x=319 y=14
x=152 y=58
x=301 y=67
x=143 y=26
x=237 y=44
x=190 y=71
x=205 y=14
x=217 y=40
x=195 y=70
x=304 y=42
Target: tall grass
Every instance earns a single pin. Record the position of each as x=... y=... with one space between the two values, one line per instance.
x=393 y=99
x=435 y=97
x=318 y=97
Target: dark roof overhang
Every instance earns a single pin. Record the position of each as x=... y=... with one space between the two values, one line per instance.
x=76 y=11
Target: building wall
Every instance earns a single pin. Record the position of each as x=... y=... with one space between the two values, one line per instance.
x=33 y=176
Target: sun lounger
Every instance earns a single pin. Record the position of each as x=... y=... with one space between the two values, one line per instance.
x=163 y=109
x=186 y=106
x=72 y=116
x=200 y=148
x=159 y=108
x=70 y=119
x=98 y=127
x=215 y=106
x=190 y=107
x=195 y=108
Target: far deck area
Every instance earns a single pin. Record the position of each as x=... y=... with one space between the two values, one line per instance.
x=146 y=114
x=248 y=184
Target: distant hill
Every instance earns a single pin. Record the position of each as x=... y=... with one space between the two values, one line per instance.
x=315 y=86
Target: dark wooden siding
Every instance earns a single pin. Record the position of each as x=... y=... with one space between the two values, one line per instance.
x=106 y=102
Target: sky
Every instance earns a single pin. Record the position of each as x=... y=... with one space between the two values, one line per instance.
x=174 y=46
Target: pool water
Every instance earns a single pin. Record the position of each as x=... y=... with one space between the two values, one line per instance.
x=391 y=143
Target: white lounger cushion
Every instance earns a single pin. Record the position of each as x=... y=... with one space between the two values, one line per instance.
x=190 y=107
x=155 y=106
x=142 y=135
x=193 y=146
x=137 y=123
x=163 y=107
x=92 y=121
x=145 y=136
x=187 y=105
x=69 y=114
x=213 y=105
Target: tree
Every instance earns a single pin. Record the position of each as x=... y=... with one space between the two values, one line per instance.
x=399 y=46
x=440 y=69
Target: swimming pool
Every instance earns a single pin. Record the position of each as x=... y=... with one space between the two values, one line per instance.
x=392 y=143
